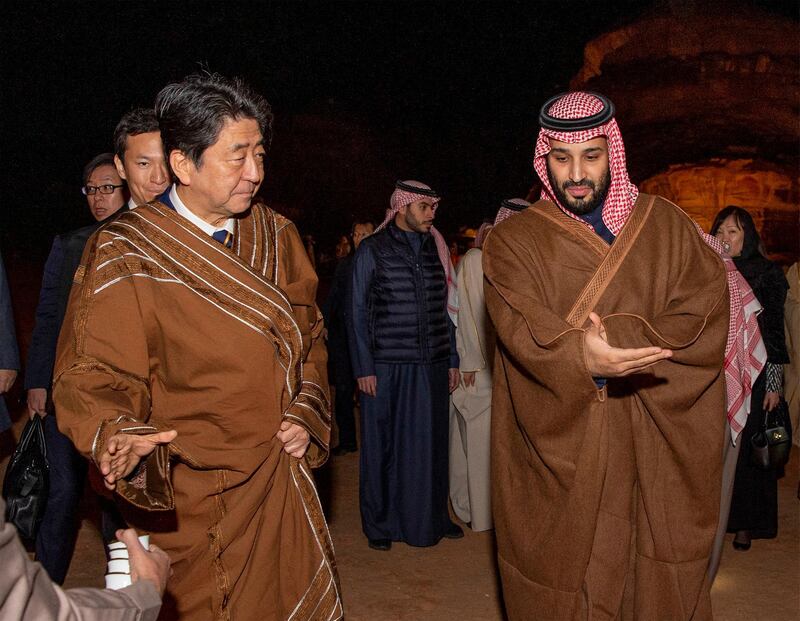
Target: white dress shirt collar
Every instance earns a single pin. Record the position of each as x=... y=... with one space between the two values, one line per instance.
x=184 y=211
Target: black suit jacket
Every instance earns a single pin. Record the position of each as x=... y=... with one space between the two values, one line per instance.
x=9 y=353
x=64 y=259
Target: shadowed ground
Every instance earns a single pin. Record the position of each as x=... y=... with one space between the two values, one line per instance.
x=455 y=580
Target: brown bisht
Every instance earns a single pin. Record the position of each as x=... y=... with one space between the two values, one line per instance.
x=168 y=329
x=605 y=500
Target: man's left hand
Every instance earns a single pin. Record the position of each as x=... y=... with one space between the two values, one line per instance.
x=7 y=377
x=454 y=377
x=295 y=439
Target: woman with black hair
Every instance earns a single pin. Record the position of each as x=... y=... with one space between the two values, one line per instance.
x=754 y=506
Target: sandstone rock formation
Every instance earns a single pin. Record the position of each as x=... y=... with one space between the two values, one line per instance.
x=709 y=110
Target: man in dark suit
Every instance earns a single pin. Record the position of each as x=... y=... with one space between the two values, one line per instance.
x=9 y=353
x=335 y=312
x=104 y=190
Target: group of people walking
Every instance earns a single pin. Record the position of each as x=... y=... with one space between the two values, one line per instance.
x=565 y=386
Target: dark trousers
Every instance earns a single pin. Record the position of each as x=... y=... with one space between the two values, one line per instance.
x=343 y=404
x=754 y=504
x=55 y=540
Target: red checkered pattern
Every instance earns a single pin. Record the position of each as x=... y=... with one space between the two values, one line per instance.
x=504 y=213
x=621 y=193
x=483 y=231
x=745 y=352
x=401 y=198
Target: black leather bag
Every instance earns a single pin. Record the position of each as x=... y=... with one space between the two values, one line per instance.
x=27 y=481
x=772 y=444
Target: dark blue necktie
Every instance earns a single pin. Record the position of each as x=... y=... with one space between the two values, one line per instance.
x=223 y=237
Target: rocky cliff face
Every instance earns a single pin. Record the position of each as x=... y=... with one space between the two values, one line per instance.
x=765 y=190
x=708 y=108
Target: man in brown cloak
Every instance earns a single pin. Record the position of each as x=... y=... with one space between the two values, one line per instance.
x=611 y=315
x=191 y=370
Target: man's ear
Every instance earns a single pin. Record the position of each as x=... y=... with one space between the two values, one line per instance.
x=400 y=216
x=182 y=166
x=120 y=167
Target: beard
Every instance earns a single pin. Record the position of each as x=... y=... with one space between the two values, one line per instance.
x=581 y=206
x=418 y=226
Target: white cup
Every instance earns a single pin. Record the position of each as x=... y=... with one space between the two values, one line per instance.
x=119 y=545
x=119 y=566
x=118 y=553
x=117 y=581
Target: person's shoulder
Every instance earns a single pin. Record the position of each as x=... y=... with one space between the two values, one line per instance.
x=150 y=212
x=521 y=225
x=83 y=232
x=669 y=219
x=260 y=208
x=374 y=239
x=472 y=255
x=665 y=209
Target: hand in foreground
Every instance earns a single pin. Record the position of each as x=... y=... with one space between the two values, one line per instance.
x=368 y=385
x=124 y=452
x=295 y=439
x=468 y=377
x=603 y=360
x=771 y=401
x=152 y=564
x=7 y=378
x=37 y=402
x=453 y=377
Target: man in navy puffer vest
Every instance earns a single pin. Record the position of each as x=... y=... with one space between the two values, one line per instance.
x=402 y=346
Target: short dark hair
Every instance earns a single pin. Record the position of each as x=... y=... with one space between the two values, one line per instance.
x=362 y=222
x=751 y=244
x=137 y=121
x=104 y=159
x=191 y=113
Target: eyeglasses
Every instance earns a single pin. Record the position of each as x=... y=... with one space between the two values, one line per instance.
x=107 y=188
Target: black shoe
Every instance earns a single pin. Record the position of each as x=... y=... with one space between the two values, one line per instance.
x=453 y=531
x=384 y=545
x=742 y=541
x=343 y=450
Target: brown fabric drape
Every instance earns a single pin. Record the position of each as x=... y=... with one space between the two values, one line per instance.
x=605 y=501
x=168 y=329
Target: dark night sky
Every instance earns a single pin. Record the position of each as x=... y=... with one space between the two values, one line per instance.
x=444 y=92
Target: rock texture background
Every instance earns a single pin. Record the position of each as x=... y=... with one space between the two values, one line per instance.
x=707 y=99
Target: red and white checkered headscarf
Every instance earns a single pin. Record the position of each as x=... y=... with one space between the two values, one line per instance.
x=402 y=197
x=621 y=192
x=510 y=207
x=745 y=352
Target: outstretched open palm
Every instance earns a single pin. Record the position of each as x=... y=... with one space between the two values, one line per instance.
x=603 y=360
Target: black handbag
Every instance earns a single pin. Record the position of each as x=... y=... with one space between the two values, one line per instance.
x=771 y=445
x=27 y=480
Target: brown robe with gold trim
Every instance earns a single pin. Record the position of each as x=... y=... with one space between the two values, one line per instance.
x=605 y=501
x=168 y=329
